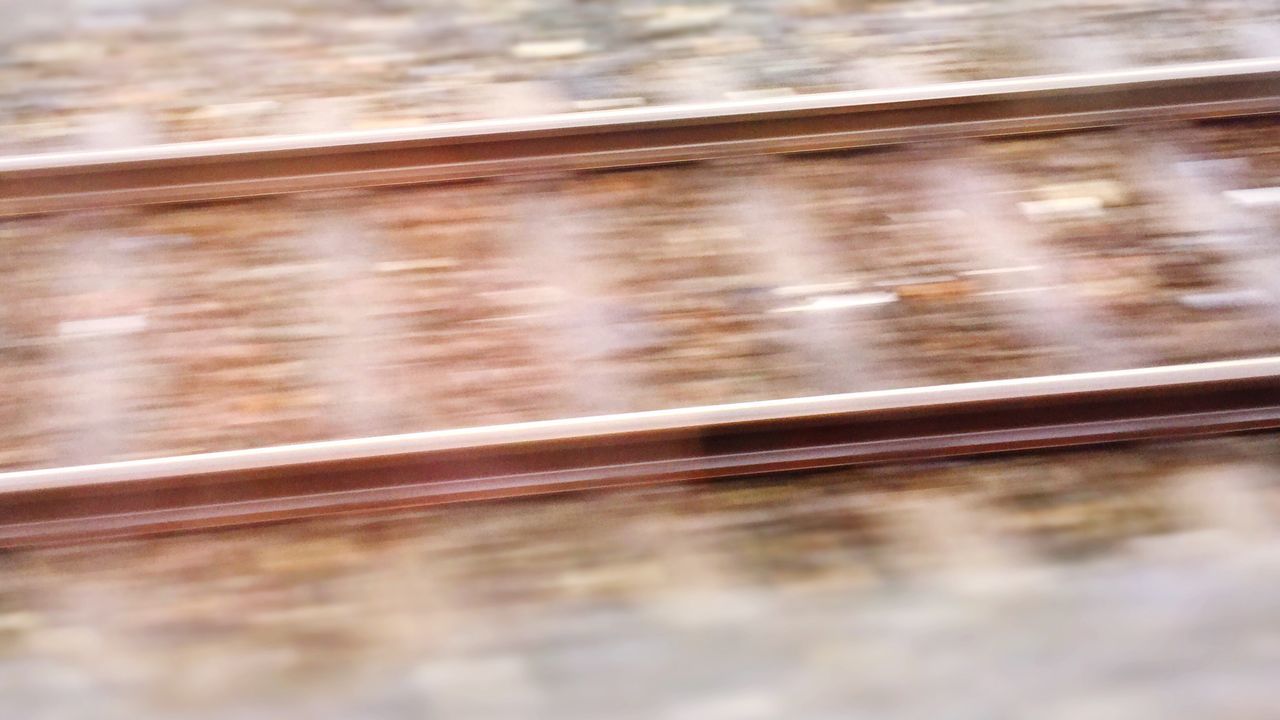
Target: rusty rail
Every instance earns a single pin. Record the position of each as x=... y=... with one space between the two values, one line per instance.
x=240 y=168
x=269 y=484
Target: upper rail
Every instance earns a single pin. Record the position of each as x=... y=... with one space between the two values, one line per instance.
x=222 y=169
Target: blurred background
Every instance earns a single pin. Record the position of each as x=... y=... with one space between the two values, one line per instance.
x=1136 y=581
x=108 y=73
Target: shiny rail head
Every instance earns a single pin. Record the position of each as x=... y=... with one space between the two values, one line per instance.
x=227 y=169
x=656 y=421
x=692 y=113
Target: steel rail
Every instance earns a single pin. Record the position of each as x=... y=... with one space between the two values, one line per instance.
x=276 y=483
x=187 y=172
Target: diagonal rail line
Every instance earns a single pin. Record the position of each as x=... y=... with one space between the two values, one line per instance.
x=690 y=444
x=223 y=169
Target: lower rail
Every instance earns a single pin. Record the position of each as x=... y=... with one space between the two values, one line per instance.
x=271 y=484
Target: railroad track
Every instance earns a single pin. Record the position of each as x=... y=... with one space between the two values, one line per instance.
x=240 y=168
x=268 y=484
x=690 y=444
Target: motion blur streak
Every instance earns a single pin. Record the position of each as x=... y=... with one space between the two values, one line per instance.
x=256 y=276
